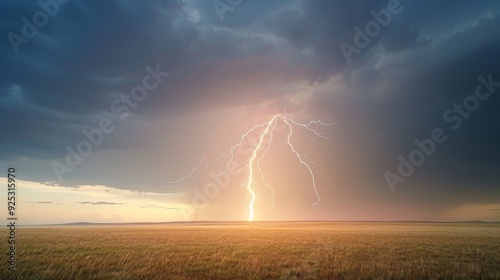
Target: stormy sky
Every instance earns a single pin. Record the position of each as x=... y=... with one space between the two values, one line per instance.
x=103 y=103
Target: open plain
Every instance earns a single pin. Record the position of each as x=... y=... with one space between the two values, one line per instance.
x=258 y=250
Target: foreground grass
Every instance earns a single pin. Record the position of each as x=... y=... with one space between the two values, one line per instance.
x=259 y=251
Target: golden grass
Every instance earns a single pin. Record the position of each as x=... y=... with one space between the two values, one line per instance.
x=259 y=251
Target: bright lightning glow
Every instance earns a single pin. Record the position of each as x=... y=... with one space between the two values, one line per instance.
x=250 y=165
x=267 y=129
x=273 y=206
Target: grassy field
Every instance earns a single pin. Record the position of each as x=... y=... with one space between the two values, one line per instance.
x=295 y=250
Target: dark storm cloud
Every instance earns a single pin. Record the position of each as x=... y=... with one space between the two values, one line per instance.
x=69 y=70
x=393 y=98
x=395 y=90
x=92 y=52
x=243 y=14
x=320 y=26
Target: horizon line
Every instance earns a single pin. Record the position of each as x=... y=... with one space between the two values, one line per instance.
x=256 y=222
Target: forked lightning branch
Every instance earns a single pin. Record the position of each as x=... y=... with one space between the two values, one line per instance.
x=265 y=132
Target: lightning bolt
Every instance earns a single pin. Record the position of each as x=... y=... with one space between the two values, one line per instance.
x=265 y=130
x=250 y=165
x=273 y=205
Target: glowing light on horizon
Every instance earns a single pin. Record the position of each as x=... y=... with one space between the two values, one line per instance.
x=267 y=129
